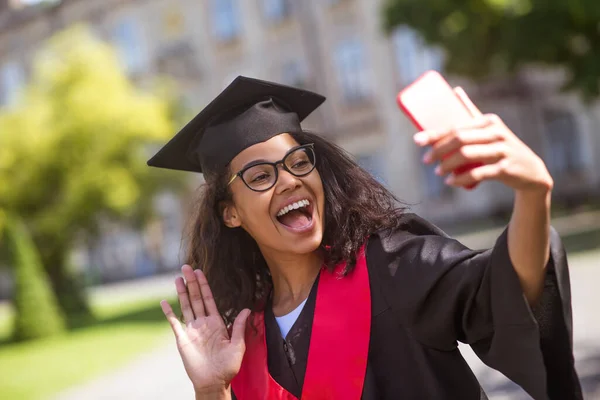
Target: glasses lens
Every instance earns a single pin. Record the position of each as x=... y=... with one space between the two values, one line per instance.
x=260 y=176
x=300 y=162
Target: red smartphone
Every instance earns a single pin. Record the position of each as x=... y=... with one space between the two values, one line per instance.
x=431 y=104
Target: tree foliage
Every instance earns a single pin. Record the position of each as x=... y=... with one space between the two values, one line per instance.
x=496 y=37
x=73 y=151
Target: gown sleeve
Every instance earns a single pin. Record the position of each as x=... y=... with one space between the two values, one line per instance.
x=444 y=292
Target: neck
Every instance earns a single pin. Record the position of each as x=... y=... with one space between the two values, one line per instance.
x=293 y=277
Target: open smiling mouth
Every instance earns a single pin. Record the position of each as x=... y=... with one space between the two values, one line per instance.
x=297 y=216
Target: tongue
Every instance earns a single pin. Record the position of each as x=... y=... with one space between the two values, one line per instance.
x=294 y=219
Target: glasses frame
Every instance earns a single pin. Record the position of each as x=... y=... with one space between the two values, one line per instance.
x=275 y=165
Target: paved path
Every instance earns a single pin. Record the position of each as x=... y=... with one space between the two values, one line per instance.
x=160 y=375
x=157 y=375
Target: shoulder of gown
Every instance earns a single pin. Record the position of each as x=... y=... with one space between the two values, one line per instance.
x=443 y=292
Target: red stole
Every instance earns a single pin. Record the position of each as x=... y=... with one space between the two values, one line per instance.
x=339 y=343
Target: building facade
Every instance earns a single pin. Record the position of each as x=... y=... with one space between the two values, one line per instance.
x=335 y=47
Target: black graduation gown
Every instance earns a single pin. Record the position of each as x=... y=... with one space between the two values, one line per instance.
x=428 y=291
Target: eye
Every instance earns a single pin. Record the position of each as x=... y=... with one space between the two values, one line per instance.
x=300 y=164
x=261 y=177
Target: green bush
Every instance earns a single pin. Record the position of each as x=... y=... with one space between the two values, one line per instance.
x=37 y=313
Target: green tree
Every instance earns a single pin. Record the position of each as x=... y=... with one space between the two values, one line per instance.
x=73 y=152
x=37 y=311
x=485 y=38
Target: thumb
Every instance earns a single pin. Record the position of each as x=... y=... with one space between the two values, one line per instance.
x=239 y=327
x=464 y=98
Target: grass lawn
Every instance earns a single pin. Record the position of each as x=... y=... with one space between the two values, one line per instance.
x=42 y=368
x=582 y=241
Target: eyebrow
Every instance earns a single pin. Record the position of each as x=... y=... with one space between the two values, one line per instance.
x=262 y=160
x=254 y=162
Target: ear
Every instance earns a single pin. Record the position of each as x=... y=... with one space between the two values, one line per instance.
x=230 y=216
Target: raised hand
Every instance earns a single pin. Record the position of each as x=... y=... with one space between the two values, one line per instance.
x=210 y=356
x=490 y=145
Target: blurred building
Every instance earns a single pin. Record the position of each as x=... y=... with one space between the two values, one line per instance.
x=335 y=47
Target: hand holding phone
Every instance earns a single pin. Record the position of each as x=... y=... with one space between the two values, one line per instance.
x=432 y=104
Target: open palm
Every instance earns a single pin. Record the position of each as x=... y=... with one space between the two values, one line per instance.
x=210 y=356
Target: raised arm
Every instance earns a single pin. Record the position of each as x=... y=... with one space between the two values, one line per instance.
x=507 y=159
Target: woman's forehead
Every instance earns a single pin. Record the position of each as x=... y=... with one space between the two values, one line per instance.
x=272 y=150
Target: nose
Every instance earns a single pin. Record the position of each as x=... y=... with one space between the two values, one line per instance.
x=286 y=181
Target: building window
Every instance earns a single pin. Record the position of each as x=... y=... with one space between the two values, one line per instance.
x=130 y=44
x=294 y=74
x=564 y=143
x=412 y=55
x=173 y=23
x=352 y=71
x=225 y=19
x=277 y=10
x=12 y=79
x=373 y=164
x=178 y=59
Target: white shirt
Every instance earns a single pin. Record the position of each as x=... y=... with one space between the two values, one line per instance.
x=286 y=322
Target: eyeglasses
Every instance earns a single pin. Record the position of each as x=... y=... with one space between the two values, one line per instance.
x=262 y=176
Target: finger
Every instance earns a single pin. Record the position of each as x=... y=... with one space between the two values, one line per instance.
x=464 y=98
x=460 y=138
x=184 y=300
x=425 y=138
x=475 y=175
x=194 y=291
x=173 y=321
x=430 y=137
x=207 y=296
x=239 y=327
x=476 y=153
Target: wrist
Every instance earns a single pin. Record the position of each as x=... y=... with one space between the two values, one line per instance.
x=542 y=183
x=540 y=187
x=540 y=195
x=216 y=392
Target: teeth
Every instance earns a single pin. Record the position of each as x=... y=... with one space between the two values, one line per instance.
x=293 y=206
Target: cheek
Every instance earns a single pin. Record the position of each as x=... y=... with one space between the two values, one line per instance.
x=320 y=193
x=254 y=212
x=317 y=186
x=257 y=222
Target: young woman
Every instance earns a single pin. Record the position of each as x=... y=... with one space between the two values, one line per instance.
x=306 y=280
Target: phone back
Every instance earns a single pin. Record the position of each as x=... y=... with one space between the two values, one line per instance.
x=431 y=103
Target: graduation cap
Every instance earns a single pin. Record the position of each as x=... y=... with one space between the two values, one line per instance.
x=247 y=112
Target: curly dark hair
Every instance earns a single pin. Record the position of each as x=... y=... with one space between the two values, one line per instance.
x=356 y=206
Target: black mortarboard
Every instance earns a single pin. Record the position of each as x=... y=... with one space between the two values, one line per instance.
x=246 y=112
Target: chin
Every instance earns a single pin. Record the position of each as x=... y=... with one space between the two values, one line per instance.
x=305 y=245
